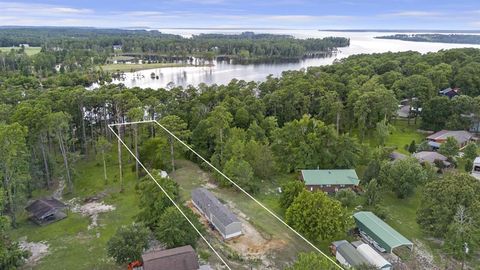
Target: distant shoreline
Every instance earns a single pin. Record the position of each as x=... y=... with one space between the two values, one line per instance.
x=400 y=30
x=467 y=39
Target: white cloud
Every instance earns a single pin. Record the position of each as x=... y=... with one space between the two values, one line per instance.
x=413 y=13
x=39 y=9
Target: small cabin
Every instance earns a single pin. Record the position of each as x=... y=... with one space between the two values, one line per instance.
x=46 y=210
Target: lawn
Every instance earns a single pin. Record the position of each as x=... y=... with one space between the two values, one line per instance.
x=29 y=50
x=71 y=244
x=403 y=134
x=137 y=67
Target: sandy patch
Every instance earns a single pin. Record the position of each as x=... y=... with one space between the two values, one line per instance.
x=251 y=244
x=58 y=193
x=423 y=256
x=91 y=209
x=37 y=250
x=209 y=185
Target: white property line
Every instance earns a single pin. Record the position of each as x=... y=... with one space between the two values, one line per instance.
x=235 y=184
x=166 y=194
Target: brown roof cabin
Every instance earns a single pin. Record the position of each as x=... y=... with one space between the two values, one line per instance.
x=181 y=258
x=46 y=210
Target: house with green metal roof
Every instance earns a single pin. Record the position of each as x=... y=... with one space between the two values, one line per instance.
x=329 y=180
x=379 y=233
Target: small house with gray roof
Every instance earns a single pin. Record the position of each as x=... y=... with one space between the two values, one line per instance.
x=462 y=137
x=46 y=210
x=226 y=223
x=329 y=181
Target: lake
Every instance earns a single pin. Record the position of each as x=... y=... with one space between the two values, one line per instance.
x=223 y=72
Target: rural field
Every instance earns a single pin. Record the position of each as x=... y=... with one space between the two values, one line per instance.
x=29 y=50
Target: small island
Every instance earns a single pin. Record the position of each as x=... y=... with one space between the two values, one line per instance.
x=442 y=38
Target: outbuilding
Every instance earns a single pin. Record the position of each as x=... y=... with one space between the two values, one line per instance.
x=378 y=233
x=180 y=258
x=46 y=210
x=347 y=255
x=372 y=256
x=329 y=180
x=226 y=223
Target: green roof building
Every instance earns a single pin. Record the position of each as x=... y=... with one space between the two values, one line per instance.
x=329 y=180
x=379 y=233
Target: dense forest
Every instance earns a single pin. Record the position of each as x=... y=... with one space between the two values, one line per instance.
x=443 y=38
x=97 y=44
x=321 y=117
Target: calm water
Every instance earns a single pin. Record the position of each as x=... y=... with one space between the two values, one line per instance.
x=222 y=73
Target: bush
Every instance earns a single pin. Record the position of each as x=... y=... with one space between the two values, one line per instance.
x=346 y=197
x=128 y=243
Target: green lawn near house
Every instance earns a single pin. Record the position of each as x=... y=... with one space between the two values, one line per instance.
x=403 y=134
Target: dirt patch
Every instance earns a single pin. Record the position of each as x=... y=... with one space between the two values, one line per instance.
x=37 y=250
x=209 y=185
x=91 y=209
x=251 y=244
x=58 y=193
x=423 y=256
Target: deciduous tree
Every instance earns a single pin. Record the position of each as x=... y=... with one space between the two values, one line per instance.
x=317 y=217
x=173 y=229
x=128 y=243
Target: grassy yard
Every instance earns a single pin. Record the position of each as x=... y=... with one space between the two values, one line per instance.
x=137 y=67
x=190 y=176
x=403 y=135
x=71 y=244
x=29 y=50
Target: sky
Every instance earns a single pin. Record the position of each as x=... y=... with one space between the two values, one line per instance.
x=285 y=14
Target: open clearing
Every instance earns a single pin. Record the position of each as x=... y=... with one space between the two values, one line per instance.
x=71 y=244
x=266 y=241
x=28 y=50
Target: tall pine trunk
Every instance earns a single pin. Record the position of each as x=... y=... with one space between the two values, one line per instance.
x=63 y=150
x=11 y=202
x=45 y=161
x=135 y=138
x=84 y=134
x=172 y=154
x=119 y=147
x=104 y=167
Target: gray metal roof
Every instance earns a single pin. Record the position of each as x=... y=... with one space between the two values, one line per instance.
x=180 y=258
x=351 y=255
x=44 y=207
x=209 y=204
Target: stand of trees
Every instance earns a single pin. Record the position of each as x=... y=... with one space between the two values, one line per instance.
x=309 y=118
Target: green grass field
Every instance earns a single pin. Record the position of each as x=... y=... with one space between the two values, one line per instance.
x=29 y=50
x=403 y=135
